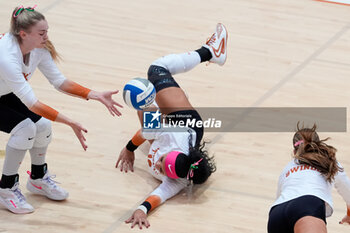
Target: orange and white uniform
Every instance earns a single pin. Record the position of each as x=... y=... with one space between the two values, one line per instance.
x=14 y=74
x=299 y=180
x=165 y=142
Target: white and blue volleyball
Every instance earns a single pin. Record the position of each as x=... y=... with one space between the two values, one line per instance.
x=139 y=93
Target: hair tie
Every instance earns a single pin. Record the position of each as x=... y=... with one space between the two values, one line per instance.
x=192 y=167
x=298 y=143
x=21 y=9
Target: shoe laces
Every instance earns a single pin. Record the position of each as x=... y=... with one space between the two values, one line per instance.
x=19 y=194
x=211 y=40
x=50 y=181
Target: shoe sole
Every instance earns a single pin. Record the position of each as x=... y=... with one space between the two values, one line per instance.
x=3 y=203
x=224 y=45
x=225 y=42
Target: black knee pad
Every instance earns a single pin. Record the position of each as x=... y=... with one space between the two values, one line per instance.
x=161 y=78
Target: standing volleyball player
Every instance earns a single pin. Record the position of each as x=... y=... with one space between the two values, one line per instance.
x=304 y=188
x=175 y=158
x=23 y=116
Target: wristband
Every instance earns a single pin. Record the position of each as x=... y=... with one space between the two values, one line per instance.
x=45 y=111
x=152 y=202
x=143 y=208
x=131 y=146
x=147 y=205
x=76 y=89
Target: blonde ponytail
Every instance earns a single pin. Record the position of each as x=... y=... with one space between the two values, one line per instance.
x=24 y=20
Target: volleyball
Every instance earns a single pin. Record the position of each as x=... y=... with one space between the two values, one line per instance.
x=139 y=93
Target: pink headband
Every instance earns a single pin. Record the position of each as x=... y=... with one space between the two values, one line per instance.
x=298 y=143
x=170 y=164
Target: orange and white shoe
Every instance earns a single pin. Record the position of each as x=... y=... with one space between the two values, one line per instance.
x=47 y=187
x=14 y=201
x=217 y=44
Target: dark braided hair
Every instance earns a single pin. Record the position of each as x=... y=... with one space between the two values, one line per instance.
x=205 y=167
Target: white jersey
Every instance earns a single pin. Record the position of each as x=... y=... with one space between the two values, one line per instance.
x=299 y=180
x=165 y=142
x=14 y=74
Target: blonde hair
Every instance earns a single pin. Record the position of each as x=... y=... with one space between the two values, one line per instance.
x=24 y=21
x=51 y=48
x=310 y=150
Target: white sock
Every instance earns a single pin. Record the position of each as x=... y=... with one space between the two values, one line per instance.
x=13 y=160
x=179 y=63
x=38 y=155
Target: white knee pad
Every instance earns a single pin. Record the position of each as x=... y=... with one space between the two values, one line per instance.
x=23 y=135
x=43 y=133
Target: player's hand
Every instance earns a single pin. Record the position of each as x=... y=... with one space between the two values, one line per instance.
x=346 y=219
x=105 y=98
x=138 y=218
x=78 y=130
x=126 y=160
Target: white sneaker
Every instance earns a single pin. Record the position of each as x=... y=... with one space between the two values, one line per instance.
x=217 y=44
x=14 y=201
x=47 y=187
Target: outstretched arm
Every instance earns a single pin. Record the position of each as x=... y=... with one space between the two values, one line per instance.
x=139 y=217
x=105 y=97
x=48 y=67
x=167 y=189
x=51 y=114
x=12 y=74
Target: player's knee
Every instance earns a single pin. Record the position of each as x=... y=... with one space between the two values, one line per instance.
x=160 y=77
x=157 y=72
x=43 y=133
x=23 y=135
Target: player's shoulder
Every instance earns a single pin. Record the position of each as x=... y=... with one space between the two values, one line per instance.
x=8 y=44
x=290 y=164
x=10 y=52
